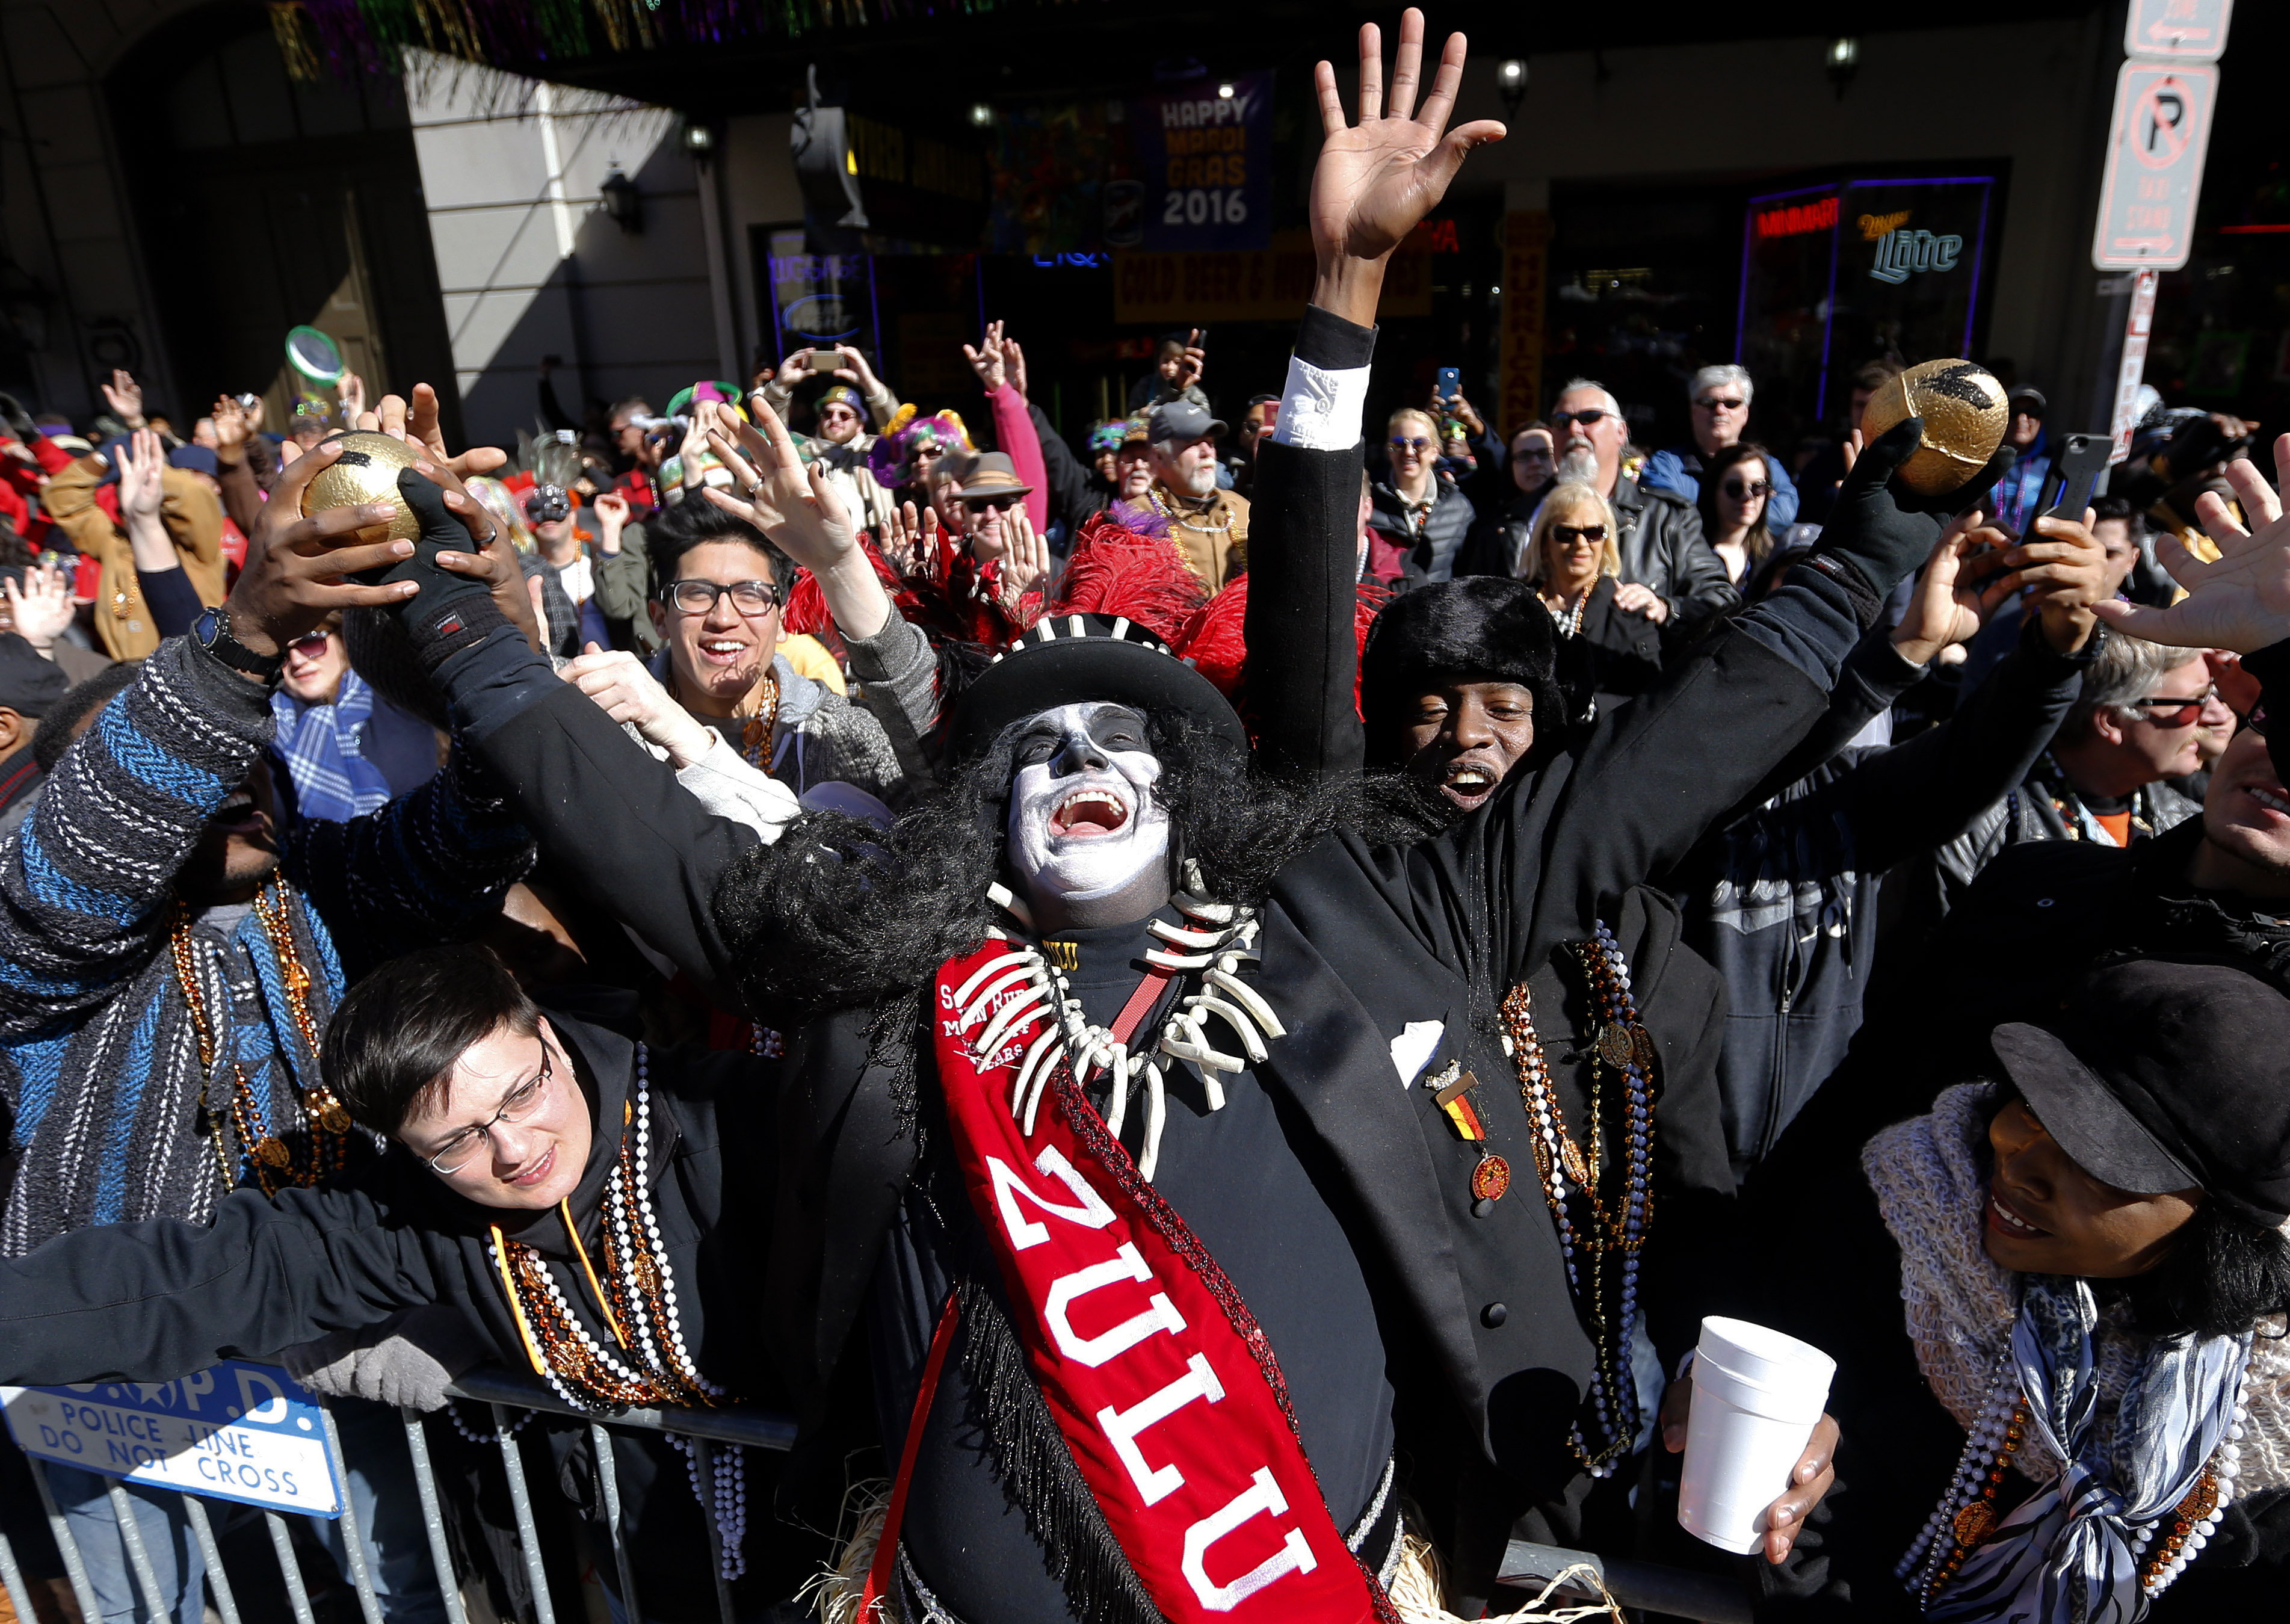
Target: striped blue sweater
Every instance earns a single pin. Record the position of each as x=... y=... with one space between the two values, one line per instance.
x=99 y=1061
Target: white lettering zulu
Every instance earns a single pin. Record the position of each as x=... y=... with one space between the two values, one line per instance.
x=1156 y=1483
x=1095 y=1350
x=1262 y=1497
x=1089 y=1210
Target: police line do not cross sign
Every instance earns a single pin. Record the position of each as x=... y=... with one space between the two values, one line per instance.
x=236 y=1431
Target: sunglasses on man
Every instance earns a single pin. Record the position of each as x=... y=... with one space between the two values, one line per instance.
x=1719 y=403
x=1000 y=504
x=2182 y=712
x=1589 y=415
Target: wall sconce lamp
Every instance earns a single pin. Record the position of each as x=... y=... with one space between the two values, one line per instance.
x=1844 y=62
x=1510 y=83
x=622 y=201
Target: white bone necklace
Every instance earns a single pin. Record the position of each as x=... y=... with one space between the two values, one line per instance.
x=1037 y=1003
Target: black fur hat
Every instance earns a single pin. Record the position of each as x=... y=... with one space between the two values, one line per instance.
x=1482 y=627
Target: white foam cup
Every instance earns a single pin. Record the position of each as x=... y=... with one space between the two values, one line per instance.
x=1757 y=1396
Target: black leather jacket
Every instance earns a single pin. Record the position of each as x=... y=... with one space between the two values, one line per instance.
x=1663 y=547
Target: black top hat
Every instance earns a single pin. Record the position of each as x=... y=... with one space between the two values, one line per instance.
x=2166 y=1074
x=1077 y=658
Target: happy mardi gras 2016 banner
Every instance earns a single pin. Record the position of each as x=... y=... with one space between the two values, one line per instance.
x=1204 y=163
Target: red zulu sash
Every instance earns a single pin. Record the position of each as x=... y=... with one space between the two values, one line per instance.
x=1164 y=1387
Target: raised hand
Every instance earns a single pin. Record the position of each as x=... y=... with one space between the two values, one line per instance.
x=793 y=504
x=1025 y=558
x=988 y=361
x=421 y=427
x=1015 y=360
x=855 y=370
x=351 y=392
x=296 y=567
x=141 y=488
x=1191 y=364
x=2241 y=602
x=612 y=518
x=232 y=427
x=40 y=608
x=907 y=544
x=1376 y=179
x=797 y=367
x=1948 y=608
x=124 y=397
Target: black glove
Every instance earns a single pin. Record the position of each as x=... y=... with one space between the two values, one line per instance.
x=452 y=612
x=1883 y=530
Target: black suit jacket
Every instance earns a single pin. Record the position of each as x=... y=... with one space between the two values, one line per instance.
x=1361 y=941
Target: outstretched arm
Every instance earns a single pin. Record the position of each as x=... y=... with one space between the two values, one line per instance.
x=1373 y=182
x=154 y=1301
x=87 y=880
x=2242 y=601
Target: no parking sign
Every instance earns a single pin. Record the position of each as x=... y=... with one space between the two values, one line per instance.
x=2155 y=152
x=236 y=1431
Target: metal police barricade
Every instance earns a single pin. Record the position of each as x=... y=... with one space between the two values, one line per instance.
x=252 y=1435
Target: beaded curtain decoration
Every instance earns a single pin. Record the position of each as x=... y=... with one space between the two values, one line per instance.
x=273 y=1161
x=648 y=1364
x=1603 y=1215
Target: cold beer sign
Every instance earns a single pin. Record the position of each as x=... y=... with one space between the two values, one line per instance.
x=242 y=1432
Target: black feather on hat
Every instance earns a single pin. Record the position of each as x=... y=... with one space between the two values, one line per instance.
x=1481 y=628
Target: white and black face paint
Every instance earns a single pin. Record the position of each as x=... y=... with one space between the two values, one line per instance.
x=1083 y=825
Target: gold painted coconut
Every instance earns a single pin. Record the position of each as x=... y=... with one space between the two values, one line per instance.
x=1964 y=415
x=365 y=472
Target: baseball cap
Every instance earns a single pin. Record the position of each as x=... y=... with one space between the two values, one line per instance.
x=1180 y=421
x=2166 y=1074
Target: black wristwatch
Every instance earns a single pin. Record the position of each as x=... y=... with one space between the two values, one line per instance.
x=211 y=632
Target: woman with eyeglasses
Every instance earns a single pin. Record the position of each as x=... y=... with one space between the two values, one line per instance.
x=1424 y=514
x=1572 y=559
x=1737 y=490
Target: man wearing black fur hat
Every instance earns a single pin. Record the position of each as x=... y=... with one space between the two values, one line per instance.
x=1154 y=1128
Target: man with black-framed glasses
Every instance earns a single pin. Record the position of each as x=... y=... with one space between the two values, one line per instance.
x=721 y=588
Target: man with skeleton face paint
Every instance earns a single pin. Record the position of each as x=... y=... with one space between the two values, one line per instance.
x=1164 y=1140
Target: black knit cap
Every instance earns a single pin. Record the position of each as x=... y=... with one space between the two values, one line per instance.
x=1079 y=659
x=1480 y=628
x=2166 y=1074
x=28 y=684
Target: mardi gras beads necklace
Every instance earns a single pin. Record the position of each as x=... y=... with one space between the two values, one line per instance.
x=275 y=1161
x=648 y=1365
x=1603 y=1216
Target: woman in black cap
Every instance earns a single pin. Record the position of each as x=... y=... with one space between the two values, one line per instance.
x=2057 y=1305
